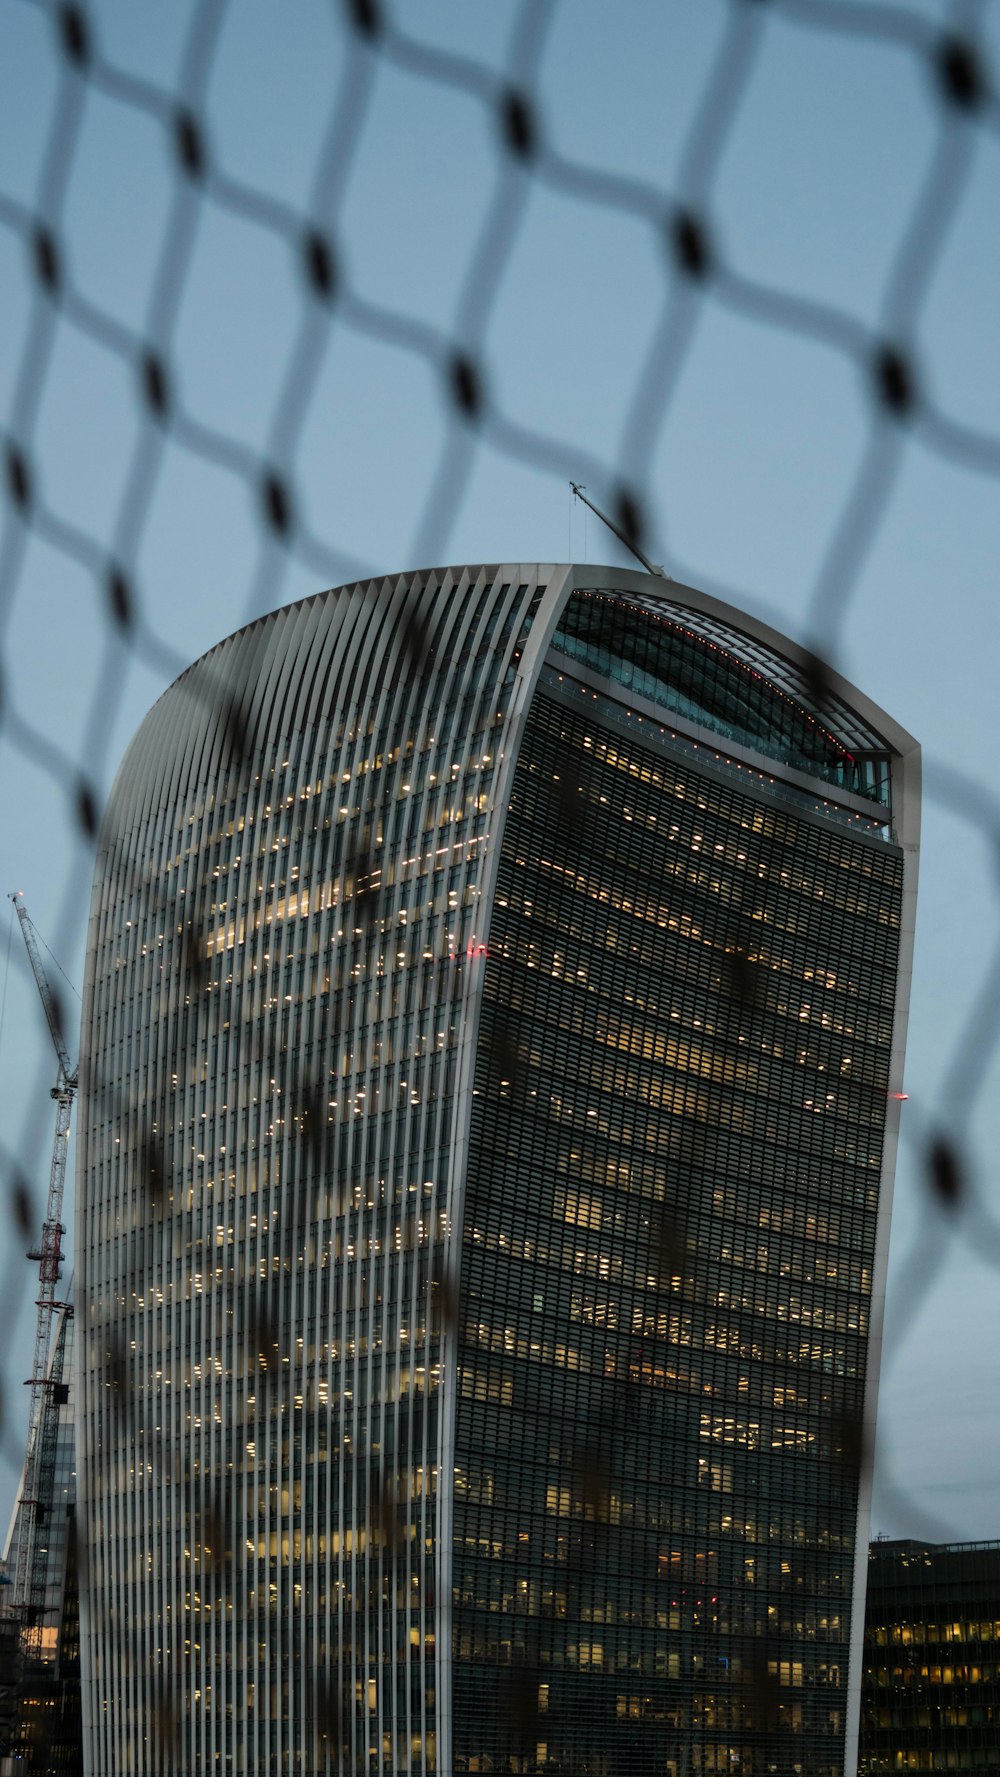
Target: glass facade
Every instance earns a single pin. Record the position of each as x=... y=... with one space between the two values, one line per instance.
x=667 y=1264
x=932 y=1658
x=653 y=654
x=480 y=1170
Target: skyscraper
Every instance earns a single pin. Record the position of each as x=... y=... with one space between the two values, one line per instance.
x=494 y=1017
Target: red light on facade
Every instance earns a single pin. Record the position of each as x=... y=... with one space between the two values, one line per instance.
x=900 y=1096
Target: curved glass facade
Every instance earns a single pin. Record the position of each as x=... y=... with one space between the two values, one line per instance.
x=669 y=1240
x=479 y=1183
x=696 y=676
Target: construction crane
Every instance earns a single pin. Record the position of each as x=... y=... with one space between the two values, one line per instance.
x=30 y=1575
x=651 y=567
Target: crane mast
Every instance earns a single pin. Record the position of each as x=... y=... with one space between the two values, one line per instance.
x=651 y=567
x=30 y=1572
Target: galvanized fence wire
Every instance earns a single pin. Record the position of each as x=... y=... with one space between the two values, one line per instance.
x=963 y=106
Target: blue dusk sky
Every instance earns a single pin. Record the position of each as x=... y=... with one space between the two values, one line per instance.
x=808 y=144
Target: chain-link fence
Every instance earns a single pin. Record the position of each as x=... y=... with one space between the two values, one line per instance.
x=228 y=283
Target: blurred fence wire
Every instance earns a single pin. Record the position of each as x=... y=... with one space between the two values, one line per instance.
x=962 y=119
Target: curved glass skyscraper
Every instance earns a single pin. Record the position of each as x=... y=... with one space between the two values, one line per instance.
x=494 y=1019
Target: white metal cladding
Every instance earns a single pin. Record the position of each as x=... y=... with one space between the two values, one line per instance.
x=293 y=734
x=299 y=722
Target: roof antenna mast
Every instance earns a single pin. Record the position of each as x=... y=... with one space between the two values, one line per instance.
x=633 y=548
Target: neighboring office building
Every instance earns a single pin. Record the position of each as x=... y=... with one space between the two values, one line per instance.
x=931 y=1697
x=495 y=1005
